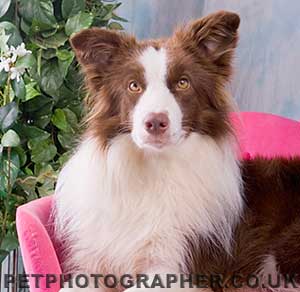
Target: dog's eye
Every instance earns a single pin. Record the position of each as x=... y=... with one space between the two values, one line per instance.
x=183 y=84
x=134 y=87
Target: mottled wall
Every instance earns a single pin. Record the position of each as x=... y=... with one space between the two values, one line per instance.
x=267 y=75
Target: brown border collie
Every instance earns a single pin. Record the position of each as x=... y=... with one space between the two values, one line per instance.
x=155 y=185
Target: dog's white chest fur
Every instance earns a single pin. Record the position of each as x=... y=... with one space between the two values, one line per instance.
x=125 y=211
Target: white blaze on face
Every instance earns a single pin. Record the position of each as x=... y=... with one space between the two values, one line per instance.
x=157 y=98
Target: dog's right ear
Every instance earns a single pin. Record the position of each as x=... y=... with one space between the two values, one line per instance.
x=97 y=47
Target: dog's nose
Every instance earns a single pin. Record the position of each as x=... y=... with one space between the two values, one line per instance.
x=156 y=123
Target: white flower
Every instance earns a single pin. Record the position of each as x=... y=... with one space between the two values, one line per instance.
x=16 y=73
x=12 y=54
x=5 y=64
x=20 y=51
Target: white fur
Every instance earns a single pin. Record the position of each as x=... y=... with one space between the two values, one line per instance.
x=127 y=211
x=157 y=98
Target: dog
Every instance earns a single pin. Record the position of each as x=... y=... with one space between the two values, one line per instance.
x=156 y=185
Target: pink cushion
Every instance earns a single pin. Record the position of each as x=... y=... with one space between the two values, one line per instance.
x=38 y=252
x=266 y=134
x=258 y=134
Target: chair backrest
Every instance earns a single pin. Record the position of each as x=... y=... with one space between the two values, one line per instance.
x=258 y=134
x=37 y=248
x=266 y=135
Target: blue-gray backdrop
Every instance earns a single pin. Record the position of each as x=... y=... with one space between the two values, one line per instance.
x=267 y=75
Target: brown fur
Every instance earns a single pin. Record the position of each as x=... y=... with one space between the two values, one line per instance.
x=270 y=224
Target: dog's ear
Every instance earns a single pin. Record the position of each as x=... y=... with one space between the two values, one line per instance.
x=97 y=47
x=214 y=36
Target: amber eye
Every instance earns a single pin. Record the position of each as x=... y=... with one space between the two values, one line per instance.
x=134 y=87
x=183 y=84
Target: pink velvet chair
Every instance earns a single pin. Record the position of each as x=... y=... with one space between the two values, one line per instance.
x=258 y=134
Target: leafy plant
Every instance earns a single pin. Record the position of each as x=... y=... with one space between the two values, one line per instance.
x=40 y=96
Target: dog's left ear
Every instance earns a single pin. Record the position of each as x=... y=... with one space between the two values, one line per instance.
x=214 y=36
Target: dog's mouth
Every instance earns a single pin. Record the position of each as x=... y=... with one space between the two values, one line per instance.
x=159 y=143
x=156 y=143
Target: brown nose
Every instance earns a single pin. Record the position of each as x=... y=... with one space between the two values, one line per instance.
x=156 y=123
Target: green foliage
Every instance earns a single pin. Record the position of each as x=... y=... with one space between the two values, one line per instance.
x=40 y=96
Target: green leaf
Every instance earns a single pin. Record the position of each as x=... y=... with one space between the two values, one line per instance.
x=49 y=54
x=46 y=178
x=42 y=120
x=71 y=7
x=71 y=119
x=108 y=11
x=22 y=155
x=31 y=132
x=53 y=42
x=78 y=22
x=115 y=25
x=4 y=5
x=28 y=171
x=9 y=243
x=41 y=169
x=31 y=92
x=3 y=255
x=49 y=33
x=41 y=104
x=112 y=7
x=59 y=120
x=51 y=77
x=39 y=110
x=10 y=29
x=65 y=59
x=64 y=54
x=3 y=77
x=74 y=78
x=66 y=140
x=42 y=151
x=64 y=158
x=65 y=120
x=9 y=92
x=10 y=139
x=27 y=61
x=4 y=169
x=38 y=12
x=116 y=17
x=25 y=26
x=28 y=184
x=19 y=88
x=65 y=96
x=47 y=189
x=8 y=115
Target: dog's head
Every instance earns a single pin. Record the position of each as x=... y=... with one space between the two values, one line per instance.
x=159 y=91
